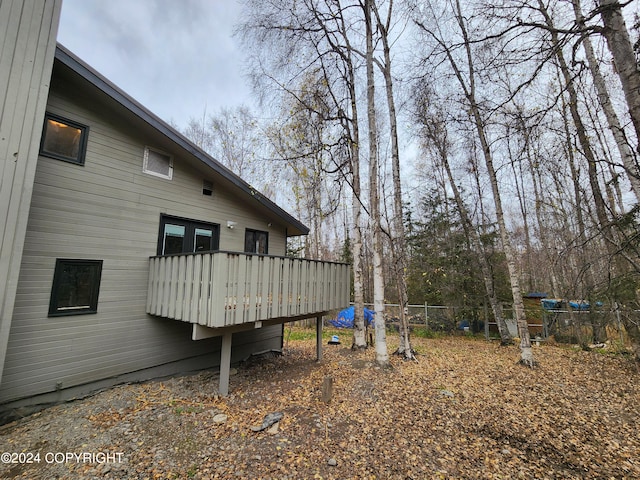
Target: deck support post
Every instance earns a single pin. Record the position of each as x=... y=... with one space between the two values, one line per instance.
x=225 y=364
x=319 y=337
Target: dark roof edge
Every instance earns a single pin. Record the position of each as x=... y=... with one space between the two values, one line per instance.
x=98 y=80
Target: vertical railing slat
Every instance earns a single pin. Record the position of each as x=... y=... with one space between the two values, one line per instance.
x=233 y=280
x=286 y=286
x=276 y=288
x=152 y=291
x=188 y=288
x=166 y=285
x=218 y=290
x=231 y=290
x=181 y=279
x=195 y=285
x=295 y=288
x=221 y=289
x=205 y=289
x=241 y=275
x=327 y=287
x=304 y=287
x=265 y=288
x=314 y=286
x=253 y=271
x=173 y=288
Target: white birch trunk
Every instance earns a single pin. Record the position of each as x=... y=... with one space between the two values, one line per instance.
x=359 y=327
x=398 y=237
x=628 y=161
x=619 y=43
x=360 y=340
x=526 y=353
x=382 y=355
x=437 y=136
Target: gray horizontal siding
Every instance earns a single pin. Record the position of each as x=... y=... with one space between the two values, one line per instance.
x=85 y=371
x=109 y=209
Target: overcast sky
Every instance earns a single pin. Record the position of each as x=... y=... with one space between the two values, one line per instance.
x=175 y=57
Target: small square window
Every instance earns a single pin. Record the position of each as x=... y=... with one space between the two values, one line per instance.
x=63 y=139
x=76 y=284
x=256 y=241
x=157 y=163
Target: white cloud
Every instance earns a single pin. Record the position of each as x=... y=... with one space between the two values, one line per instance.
x=176 y=58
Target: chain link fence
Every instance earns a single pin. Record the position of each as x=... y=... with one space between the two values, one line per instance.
x=565 y=325
x=437 y=318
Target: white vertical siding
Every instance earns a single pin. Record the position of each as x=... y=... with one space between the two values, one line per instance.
x=27 y=44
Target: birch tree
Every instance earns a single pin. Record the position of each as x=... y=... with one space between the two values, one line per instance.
x=233 y=136
x=315 y=35
x=303 y=143
x=467 y=84
x=626 y=153
x=434 y=131
x=382 y=355
x=398 y=234
x=617 y=36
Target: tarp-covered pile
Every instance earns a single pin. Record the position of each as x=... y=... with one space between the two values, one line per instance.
x=345 y=318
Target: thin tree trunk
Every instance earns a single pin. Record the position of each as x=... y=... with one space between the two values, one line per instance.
x=543 y=234
x=619 y=43
x=585 y=144
x=352 y=128
x=608 y=234
x=398 y=234
x=382 y=355
x=626 y=154
x=526 y=352
x=485 y=267
x=515 y=162
x=359 y=326
x=435 y=132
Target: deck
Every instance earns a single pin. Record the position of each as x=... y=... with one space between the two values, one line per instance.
x=224 y=289
x=224 y=292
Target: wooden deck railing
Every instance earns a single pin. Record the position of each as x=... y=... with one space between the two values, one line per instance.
x=220 y=289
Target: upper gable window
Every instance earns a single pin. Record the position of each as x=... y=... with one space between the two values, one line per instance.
x=157 y=163
x=63 y=139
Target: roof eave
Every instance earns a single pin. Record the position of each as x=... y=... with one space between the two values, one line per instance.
x=294 y=226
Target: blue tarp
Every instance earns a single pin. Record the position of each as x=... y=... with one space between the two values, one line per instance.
x=345 y=318
x=583 y=304
x=556 y=304
x=551 y=303
x=579 y=305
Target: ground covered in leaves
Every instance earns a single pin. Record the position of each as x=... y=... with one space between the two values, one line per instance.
x=465 y=409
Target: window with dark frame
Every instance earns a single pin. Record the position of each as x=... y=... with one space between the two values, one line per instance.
x=183 y=235
x=256 y=241
x=64 y=139
x=76 y=286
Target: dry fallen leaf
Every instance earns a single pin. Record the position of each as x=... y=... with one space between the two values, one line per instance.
x=574 y=416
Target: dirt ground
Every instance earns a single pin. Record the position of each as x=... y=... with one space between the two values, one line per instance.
x=465 y=409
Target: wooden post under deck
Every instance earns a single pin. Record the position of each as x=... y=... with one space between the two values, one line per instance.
x=319 y=337
x=225 y=364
